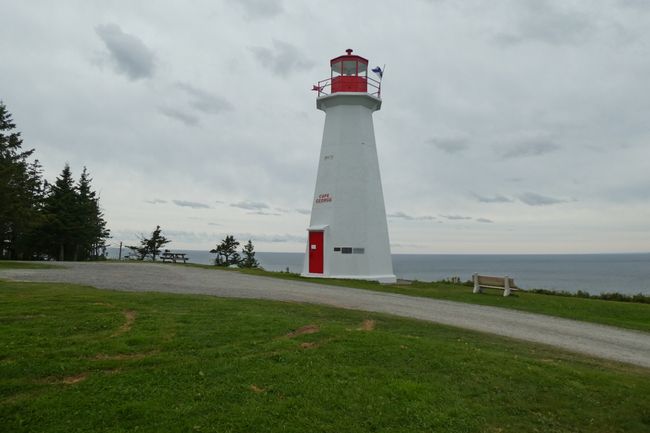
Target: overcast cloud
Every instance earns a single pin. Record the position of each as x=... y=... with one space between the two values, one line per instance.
x=450 y=145
x=516 y=126
x=282 y=58
x=533 y=199
x=259 y=8
x=128 y=54
x=498 y=198
x=184 y=117
x=532 y=148
x=192 y=204
x=203 y=100
x=250 y=205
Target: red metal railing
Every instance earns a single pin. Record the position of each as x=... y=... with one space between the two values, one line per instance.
x=324 y=87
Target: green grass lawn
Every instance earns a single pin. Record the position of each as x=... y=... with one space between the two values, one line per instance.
x=80 y=359
x=8 y=264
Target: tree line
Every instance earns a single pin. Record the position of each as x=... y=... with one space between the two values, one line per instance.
x=227 y=254
x=39 y=220
x=226 y=251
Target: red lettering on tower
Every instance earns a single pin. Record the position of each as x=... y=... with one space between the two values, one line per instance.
x=324 y=198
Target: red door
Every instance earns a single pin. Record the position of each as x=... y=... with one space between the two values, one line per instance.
x=316 y=252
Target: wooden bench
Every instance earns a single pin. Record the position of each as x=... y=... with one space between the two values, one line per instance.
x=168 y=256
x=506 y=283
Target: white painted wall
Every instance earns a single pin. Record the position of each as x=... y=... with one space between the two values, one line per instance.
x=348 y=171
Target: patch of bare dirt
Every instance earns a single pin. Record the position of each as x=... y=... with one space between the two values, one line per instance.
x=129 y=320
x=367 y=325
x=70 y=380
x=308 y=345
x=123 y=356
x=257 y=389
x=307 y=329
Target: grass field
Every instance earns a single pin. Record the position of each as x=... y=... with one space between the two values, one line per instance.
x=9 y=264
x=80 y=359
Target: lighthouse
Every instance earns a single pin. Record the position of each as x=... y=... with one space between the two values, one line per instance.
x=348 y=232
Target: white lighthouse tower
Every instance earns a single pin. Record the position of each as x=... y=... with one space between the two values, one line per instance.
x=348 y=233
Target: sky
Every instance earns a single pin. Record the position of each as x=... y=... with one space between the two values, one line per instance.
x=507 y=126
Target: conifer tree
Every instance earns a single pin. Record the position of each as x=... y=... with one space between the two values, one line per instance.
x=226 y=252
x=15 y=194
x=150 y=247
x=30 y=217
x=93 y=230
x=60 y=233
x=38 y=220
x=248 y=253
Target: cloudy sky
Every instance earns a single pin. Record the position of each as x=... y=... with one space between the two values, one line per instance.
x=514 y=126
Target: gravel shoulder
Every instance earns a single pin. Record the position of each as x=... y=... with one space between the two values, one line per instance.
x=600 y=341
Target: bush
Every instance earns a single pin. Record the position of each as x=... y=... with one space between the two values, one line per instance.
x=615 y=296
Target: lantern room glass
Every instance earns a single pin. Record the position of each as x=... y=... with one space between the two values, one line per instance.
x=349 y=68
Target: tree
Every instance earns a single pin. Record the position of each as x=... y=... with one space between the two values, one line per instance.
x=226 y=252
x=16 y=195
x=30 y=216
x=72 y=225
x=38 y=220
x=61 y=226
x=150 y=247
x=249 y=260
x=93 y=232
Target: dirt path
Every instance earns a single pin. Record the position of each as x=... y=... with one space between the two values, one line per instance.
x=596 y=340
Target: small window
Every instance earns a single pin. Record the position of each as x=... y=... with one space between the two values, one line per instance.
x=358 y=250
x=363 y=69
x=349 y=67
x=337 y=68
x=346 y=250
x=337 y=249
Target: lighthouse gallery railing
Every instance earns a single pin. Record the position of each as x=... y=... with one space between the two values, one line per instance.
x=324 y=87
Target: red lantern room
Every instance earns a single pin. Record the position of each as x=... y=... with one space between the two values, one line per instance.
x=349 y=73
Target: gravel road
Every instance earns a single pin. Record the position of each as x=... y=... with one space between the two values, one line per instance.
x=595 y=340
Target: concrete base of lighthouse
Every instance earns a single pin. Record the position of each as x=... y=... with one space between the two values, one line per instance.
x=383 y=279
x=325 y=260
x=348 y=233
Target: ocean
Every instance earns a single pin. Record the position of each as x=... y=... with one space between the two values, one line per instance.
x=593 y=273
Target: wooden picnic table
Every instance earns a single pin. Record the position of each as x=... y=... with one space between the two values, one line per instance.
x=168 y=256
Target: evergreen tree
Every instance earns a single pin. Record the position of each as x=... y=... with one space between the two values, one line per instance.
x=226 y=252
x=38 y=220
x=60 y=231
x=30 y=219
x=150 y=247
x=93 y=233
x=10 y=142
x=15 y=190
x=249 y=260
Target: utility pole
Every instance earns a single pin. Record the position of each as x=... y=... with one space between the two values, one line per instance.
x=120 y=254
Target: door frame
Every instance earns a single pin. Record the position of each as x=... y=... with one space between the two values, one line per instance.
x=314 y=269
